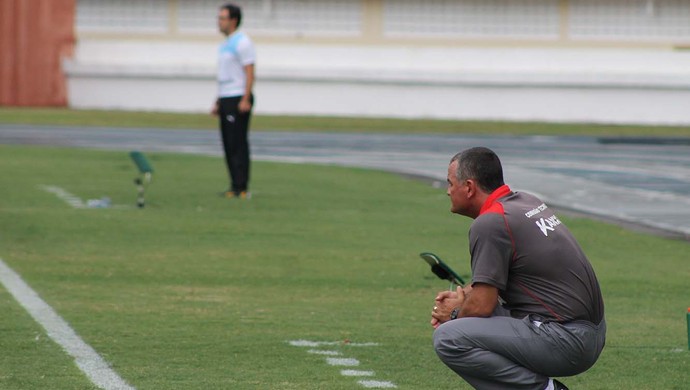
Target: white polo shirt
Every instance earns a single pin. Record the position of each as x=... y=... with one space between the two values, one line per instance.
x=236 y=52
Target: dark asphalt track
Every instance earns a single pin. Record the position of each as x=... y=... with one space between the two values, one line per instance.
x=642 y=182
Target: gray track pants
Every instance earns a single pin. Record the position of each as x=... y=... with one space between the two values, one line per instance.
x=501 y=352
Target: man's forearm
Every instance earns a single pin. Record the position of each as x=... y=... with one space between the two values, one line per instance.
x=471 y=309
x=249 y=85
x=479 y=302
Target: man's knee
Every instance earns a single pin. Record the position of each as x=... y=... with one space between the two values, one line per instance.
x=449 y=342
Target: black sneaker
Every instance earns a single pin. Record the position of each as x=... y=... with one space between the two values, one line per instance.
x=559 y=386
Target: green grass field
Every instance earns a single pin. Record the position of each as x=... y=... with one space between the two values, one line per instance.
x=65 y=117
x=200 y=292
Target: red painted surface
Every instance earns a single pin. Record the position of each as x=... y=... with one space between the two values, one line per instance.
x=34 y=37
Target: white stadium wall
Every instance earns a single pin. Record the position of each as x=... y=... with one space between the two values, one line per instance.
x=608 y=61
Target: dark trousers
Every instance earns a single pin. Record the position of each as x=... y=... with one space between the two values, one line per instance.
x=234 y=130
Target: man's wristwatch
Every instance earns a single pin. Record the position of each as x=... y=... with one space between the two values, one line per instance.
x=454 y=314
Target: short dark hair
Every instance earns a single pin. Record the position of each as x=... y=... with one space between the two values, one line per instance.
x=234 y=12
x=482 y=165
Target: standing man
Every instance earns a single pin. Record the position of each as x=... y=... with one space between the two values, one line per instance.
x=552 y=320
x=236 y=58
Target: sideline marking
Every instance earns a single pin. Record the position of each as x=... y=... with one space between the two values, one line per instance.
x=308 y=343
x=76 y=202
x=377 y=384
x=320 y=352
x=356 y=373
x=86 y=358
x=61 y=193
x=344 y=362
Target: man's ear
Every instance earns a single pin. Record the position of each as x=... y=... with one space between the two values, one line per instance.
x=471 y=188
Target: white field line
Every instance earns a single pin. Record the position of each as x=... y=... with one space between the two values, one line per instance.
x=344 y=362
x=61 y=193
x=377 y=384
x=348 y=362
x=308 y=343
x=86 y=358
x=356 y=373
x=322 y=352
x=75 y=201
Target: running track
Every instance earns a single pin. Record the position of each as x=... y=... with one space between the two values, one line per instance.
x=643 y=182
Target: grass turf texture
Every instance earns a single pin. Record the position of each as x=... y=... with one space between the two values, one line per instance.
x=66 y=117
x=200 y=292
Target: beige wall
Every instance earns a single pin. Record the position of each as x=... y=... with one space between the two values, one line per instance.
x=533 y=60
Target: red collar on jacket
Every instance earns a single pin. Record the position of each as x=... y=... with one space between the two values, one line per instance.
x=491 y=205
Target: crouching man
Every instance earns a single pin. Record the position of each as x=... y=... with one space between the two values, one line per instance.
x=551 y=320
